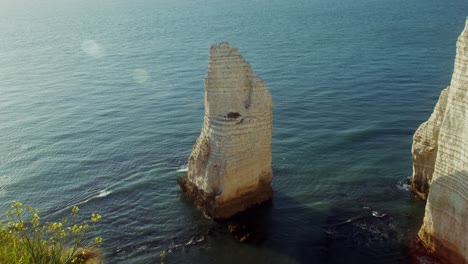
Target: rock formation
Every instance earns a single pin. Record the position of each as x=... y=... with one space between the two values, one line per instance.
x=440 y=170
x=230 y=165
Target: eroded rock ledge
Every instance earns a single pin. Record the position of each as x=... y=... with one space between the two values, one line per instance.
x=440 y=167
x=230 y=165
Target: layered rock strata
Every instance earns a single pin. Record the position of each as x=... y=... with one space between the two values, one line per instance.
x=230 y=165
x=440 y=170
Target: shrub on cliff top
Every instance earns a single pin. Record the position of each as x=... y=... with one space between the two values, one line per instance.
x=23 y=239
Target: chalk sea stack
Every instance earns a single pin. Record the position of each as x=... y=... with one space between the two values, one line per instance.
x=229 y=168
x=440 y=170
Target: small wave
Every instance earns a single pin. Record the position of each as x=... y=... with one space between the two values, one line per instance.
x=100 y=194
x=103 y=193
x=374 y=213
x=173 y=246
x=349 y=220
x=183 y=169
x=405 y=187
x=404 y=184
x=377 y=214
x=195 y=240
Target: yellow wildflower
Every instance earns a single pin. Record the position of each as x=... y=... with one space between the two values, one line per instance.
x=19 y=225
x=75 y=210
x=56 y=226
x=95 y=217
x=73 y=229
x=17 y=204
x=35 y=220
x=98 y=240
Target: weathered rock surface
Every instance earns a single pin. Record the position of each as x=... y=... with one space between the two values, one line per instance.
x=440 y=171
x=230 y=165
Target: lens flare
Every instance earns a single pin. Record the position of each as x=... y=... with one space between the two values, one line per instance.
x=93 y=49
x=140 y=76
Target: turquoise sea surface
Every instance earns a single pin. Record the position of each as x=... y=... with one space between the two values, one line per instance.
x=101 y=102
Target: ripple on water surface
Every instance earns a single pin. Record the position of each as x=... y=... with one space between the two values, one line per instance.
x=101 y=103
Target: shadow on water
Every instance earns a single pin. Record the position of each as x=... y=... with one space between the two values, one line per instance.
x=287 y=231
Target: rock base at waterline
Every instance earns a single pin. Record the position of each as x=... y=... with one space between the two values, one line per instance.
x=220 y=210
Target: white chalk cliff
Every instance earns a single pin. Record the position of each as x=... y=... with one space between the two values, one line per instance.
x=440 y=170
x=230 y=165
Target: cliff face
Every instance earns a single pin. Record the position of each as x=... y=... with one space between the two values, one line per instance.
x=440 y=171
x=230 y=165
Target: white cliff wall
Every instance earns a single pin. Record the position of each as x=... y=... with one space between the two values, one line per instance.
x=440 y=155
x=425 y=147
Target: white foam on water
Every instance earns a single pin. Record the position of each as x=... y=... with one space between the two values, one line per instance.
x=183 y=169
x=103 y=193
x=190 y=242
x=377 y=214
x=194 y=240
x=100 y=194
x=404 y=184
x=404 y=187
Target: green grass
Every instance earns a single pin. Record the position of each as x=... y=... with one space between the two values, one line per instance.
x=24 y=239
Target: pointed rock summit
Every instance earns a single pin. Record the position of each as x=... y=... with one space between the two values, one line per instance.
x=440 y=170
x=230 y=165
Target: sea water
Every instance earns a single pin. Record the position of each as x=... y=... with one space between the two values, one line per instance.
x=102 y=101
